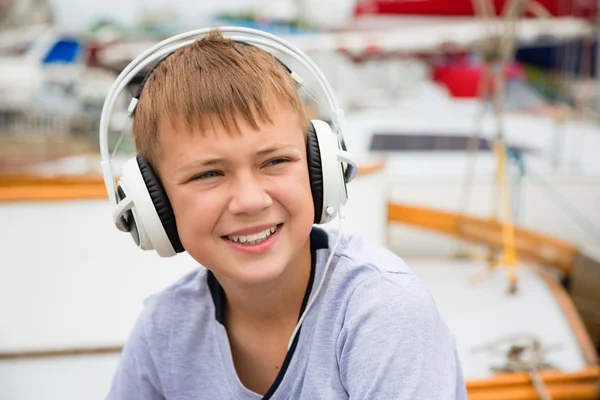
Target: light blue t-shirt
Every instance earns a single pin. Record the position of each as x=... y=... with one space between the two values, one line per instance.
x=373 y=333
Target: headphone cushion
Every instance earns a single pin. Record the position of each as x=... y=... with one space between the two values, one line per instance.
x=161 y=203
x=315 y=173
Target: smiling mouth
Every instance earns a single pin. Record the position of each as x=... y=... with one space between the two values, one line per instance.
x=253 y=239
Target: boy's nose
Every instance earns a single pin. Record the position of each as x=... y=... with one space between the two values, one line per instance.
x=249 y=196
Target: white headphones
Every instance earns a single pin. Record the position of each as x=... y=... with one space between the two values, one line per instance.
x=141 y=204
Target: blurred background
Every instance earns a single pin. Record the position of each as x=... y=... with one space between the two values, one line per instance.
x=476 y=123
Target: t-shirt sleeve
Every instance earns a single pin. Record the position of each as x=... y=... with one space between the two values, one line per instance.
x=395 y=345
x=136 y=376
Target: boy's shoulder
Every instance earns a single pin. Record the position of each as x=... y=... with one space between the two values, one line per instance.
x=376 y=285
x=372 y=257
x=187 y=295
x=367 y=274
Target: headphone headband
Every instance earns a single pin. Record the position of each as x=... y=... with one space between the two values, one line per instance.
x=170 y=45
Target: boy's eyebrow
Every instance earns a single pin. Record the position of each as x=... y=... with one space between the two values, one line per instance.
x=203 y=162
x=271 y=149
x=207 y=162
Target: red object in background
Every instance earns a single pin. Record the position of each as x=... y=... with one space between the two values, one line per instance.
x=580 y=8
x=463 y=78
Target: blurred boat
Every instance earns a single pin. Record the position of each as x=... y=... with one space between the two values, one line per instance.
x=43 y=69
x=50 y=99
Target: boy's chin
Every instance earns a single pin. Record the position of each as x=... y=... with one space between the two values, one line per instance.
x=258 y=273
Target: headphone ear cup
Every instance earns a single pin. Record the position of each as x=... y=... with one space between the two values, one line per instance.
x=315 y=171
x=161 y=203
x=127 y=221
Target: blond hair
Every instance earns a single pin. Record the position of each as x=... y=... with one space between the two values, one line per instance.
x=212 y=78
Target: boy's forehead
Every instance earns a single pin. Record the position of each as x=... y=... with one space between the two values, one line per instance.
x=279 y=118
x=178 y=136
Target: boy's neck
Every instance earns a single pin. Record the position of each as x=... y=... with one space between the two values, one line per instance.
x=275 y=303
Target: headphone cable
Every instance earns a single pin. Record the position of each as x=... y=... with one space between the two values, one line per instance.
x=327 y=264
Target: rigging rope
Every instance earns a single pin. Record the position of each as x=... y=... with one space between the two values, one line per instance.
x=520 y=345
x=564 y=204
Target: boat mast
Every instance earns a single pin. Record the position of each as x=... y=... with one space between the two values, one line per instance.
x=496 y=50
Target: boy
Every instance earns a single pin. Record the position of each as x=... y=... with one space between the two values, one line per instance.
x=223 y=126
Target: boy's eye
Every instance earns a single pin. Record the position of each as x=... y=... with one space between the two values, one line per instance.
x=276 y=161
x=206 y=175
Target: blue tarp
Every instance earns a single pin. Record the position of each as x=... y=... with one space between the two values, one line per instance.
x=63 y=51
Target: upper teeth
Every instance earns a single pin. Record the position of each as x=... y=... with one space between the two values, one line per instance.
x=253 y=239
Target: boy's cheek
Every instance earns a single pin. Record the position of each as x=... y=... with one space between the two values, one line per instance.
x=196 y=216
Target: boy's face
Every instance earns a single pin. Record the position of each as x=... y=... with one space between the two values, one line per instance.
x=229 y=192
